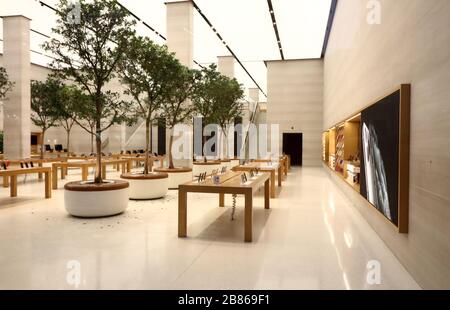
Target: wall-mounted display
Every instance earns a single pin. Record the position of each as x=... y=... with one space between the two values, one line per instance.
x=370 y=151
x=379 y=155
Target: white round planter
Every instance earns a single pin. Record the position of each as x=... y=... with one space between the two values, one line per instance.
x=147 y=186
x=177 y=176
x=208 y=167
x=84 y=199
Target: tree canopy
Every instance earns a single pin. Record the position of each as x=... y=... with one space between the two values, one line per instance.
x=147 y=74
x=88 y=51
x=45 y=98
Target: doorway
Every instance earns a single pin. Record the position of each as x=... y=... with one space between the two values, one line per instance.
x=293 y=146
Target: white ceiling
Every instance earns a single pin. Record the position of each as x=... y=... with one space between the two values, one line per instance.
x=245 y=25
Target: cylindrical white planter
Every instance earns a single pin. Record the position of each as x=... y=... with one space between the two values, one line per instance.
x=147 y=186
x=177 y=176
x=208 y=167
x=84 y=199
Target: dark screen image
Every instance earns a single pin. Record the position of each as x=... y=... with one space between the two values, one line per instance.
x=379 y=155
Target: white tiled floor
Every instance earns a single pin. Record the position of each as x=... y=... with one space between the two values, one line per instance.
x=312 y=238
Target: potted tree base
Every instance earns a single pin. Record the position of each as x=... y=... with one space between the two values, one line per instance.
x=208 y=167
x=89 y=199
x=177 y=176
x=151 y=185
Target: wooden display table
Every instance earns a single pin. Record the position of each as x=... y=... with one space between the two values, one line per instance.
x=264 y=167
x=36 y=161
x=84 y=166
x=230 y=183
x=283 y=161
x=12 y=174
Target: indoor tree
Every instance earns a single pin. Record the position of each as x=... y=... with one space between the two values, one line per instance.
x=177 y=109
x=230 y=106
x=147 y=74
x=5 y=84
x=205 y=101
x=88 y=51
x=66 y=109
x=45 y=97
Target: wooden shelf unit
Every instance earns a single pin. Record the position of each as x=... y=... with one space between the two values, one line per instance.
x=351 y=145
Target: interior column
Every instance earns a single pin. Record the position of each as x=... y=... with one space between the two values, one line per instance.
x=180 y=40
x=16 y=60
x=226 y=67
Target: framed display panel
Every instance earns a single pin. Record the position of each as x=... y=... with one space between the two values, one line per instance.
x=383 y=148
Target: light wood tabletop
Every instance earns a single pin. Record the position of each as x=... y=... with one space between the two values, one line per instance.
x=230 y=183
x=264 y=167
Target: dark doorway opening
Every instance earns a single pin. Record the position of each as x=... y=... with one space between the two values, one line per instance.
x=161 y=136
x=293 y=146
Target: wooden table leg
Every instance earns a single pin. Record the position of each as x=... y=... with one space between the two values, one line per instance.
x=40 y=173
x=280 y=175
x=13 y=186
x=84 y=173
x=63 y=172
x=221 y=200
x=130 y=162
x=118 y=167
x=272 y=184
x=267 y=194
x=5 y=181
x=124 y=167
x=55 y=177
x=48 y=182
x=182 y=213
x=248 y=228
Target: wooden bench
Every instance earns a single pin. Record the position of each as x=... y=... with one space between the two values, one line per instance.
x=12 y=173
x=84 y=166
x=230 y=183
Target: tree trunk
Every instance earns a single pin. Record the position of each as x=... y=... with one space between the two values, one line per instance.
x=43 y=144
x=92 y=143
x=151 y=139
x=171 y=166
x=203 y=145
x=98 y=169
x=68 y=143
x=147 y=142
x=225 y=145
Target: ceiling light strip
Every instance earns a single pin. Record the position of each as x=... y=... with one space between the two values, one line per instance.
x=329 y=26
x=226 y=46
x=275 y=27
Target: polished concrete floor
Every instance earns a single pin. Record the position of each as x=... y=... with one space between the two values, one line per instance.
x=311 y=238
